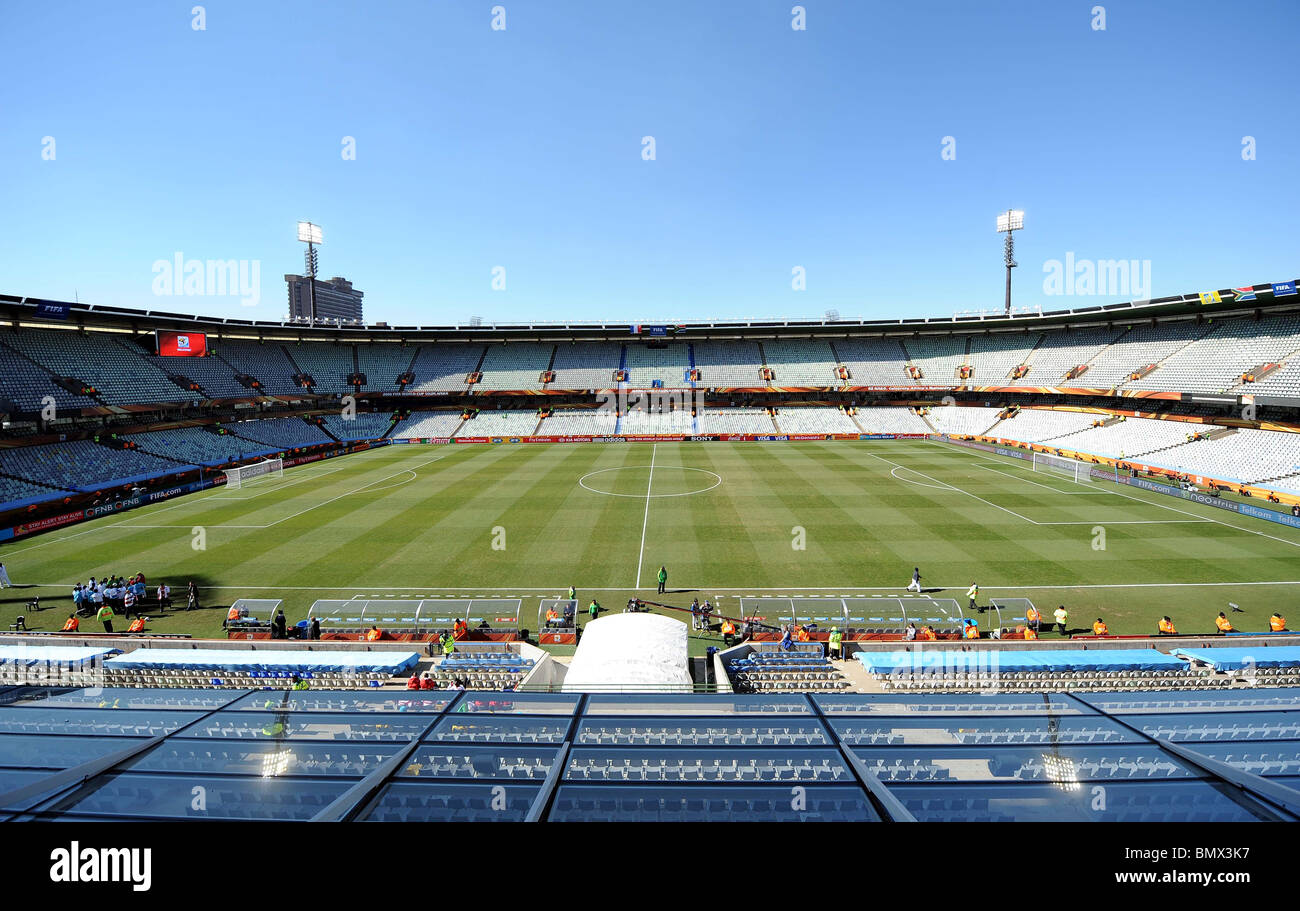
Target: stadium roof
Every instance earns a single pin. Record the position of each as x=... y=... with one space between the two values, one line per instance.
x=62 y=314
x=147 y=754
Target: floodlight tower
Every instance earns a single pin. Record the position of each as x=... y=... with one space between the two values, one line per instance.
x=311 y=235
x=1008 y=221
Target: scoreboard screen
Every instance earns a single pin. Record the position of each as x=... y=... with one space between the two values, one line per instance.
x=182 y=344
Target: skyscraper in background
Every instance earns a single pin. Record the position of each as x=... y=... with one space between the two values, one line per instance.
x=336 y=299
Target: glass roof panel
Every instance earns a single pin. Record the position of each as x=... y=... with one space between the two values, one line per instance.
x=264 y=759
x=311 y=726
x=701 y=764
x=517 y=763
x=499 y=729
x=409 y=801
x=750 y=732
x=95 y=722
x=704 y=803
x=176 y=797
x=1122 y=801
x=981 y=730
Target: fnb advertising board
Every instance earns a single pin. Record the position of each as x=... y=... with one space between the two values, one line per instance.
x=182 y=344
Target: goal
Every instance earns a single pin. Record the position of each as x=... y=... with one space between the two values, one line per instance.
x=1079 y=472
x=238 y=477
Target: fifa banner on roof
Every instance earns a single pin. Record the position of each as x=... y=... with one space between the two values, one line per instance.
x=182 y=344
x=1283 y=289
x=52 y=310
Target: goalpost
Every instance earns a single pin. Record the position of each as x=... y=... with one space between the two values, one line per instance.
x=238 y=477
x=1079 y=472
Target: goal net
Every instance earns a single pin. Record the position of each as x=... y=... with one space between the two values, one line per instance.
x=238 y=477
x=1079 y=472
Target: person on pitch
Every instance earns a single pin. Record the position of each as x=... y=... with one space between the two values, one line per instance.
x=915 y=584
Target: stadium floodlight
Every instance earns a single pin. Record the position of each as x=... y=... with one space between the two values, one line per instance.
x=311 y=234
x=1011 y=220
x=1008 y=221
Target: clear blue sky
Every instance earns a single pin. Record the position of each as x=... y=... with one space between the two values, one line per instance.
x=522 y=149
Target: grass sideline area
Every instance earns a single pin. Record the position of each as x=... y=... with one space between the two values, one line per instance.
x=725 y=518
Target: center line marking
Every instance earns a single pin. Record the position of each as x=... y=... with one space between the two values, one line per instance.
x=640 y=556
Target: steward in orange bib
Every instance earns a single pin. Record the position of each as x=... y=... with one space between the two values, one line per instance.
x=137 y=625
x=801 y=634
x=1100 y=629
x=1277 y=623
x=374 y=634
x=1167 y=627
x=728 y=631
x=1223 y=623
x=72 y=624
x=1032 y=617
x=928 y=635
x=1031 y=633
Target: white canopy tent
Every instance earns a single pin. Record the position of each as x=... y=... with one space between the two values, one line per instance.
x=630 y=653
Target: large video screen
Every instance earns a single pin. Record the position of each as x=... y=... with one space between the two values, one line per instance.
x=182 y=344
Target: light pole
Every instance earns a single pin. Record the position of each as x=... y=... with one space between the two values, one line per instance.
x=311 y=235
x=1008 y=221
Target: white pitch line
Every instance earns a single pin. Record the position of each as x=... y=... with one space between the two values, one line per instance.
x=949 y=486
x=186 y=500
x=1066 y=493
x=838 y=588
x=640 y=556
x=1136 y=499
x=358 y=490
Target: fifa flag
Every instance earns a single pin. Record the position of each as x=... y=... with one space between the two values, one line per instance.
x=1210 y=297
x=1283 y=289
x=182 y=344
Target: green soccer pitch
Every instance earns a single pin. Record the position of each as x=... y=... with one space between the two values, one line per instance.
x=728 y=520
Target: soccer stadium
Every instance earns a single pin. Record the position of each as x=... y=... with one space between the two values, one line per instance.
x=938 y=562
x=382 y=515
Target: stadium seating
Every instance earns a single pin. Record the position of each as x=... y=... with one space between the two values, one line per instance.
x=515 y=366
x=580 y=422
x=28 y=383
x=962 y=420
x=637 y=421
x=195 y=445
x=329 y=366
x=364 y=426
x=877 y=362
x=500 y=424
x=280 y=433
x=382 y=363
x=886 y=419
x=423 y=424
x=118 y=373
x=801 y=362
x=1138 y=347
x=766 y=669
x=735 y=420
x=1061 y=352
x=667 y=365
x=443 y=368
x=797 y=419
x=586 y=365
x=483 y=670
x=84 y=465
x=264 y=361
x=728 y=363
x=1038 y=425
